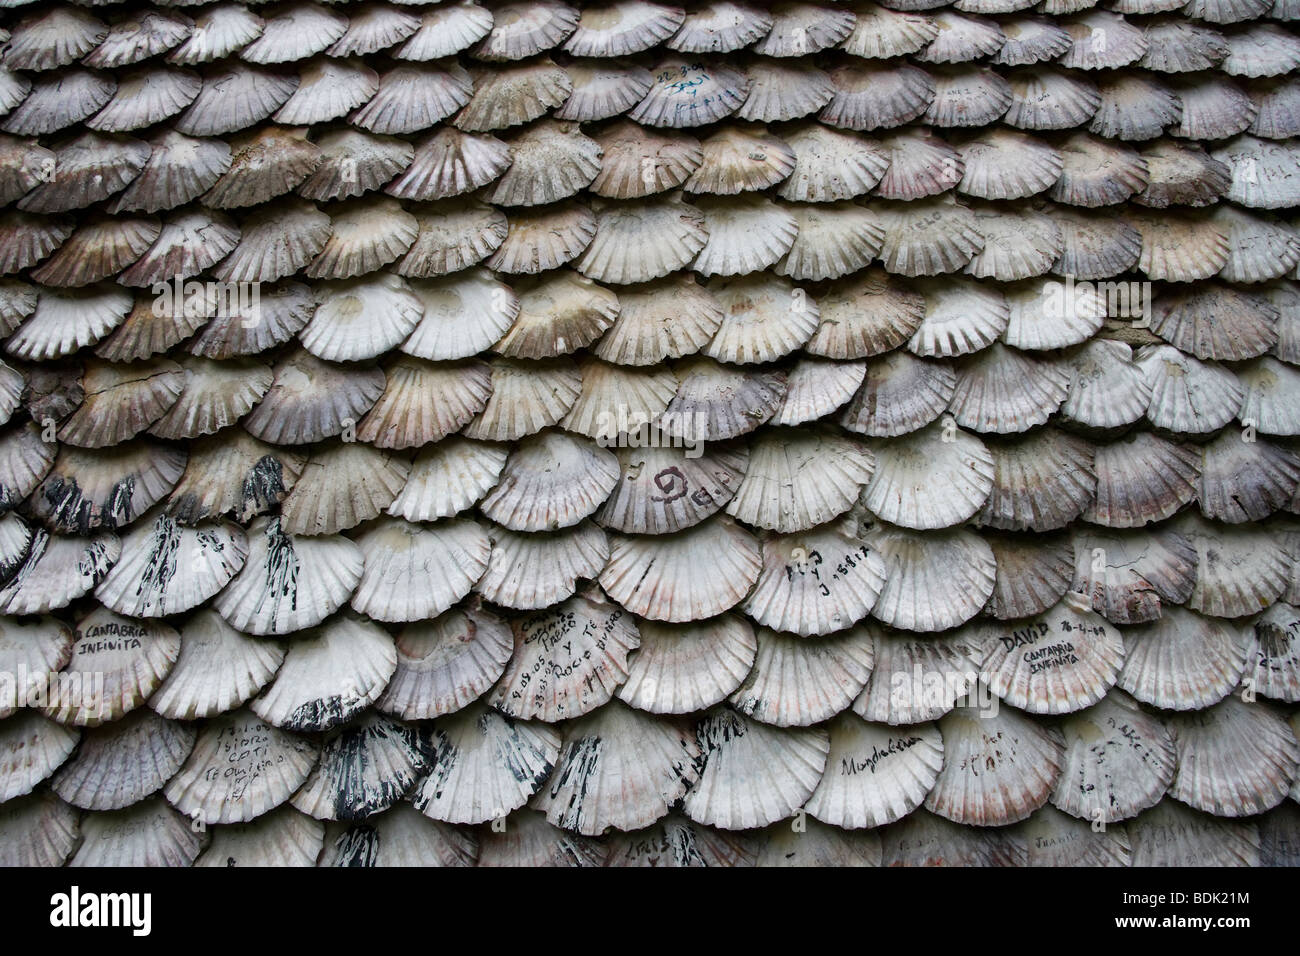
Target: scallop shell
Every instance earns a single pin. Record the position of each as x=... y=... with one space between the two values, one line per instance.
x=233 y=473
x=933 y=581
x=1058 y=662
x=149 y=833
x=683 y=668
x=815 y=844
x=168 y=569
x=360 y=319
x=1055 y=839
x=750 y=774
x=1245 y=481
x=621 y=251
x=815 y=582
x=529 y=840
x=1234 y=759
x=568 y=660
x=30 y=652
x=218 y=668
x=916 y=679
x=311 y=399
x=689 y=93
x=558 y=313
x=1040 y=482
x=353 y=163
x=1272 y=666
x=877 y=96
x=110 y=488
x=38 y=830
x=1170 y=834
x=124 y=762
x=434 y=567
x=32 y=747
x=832 y=241
x=1183 y=661
x=448 y=477
x=998 y=768
x=550 y=162
x=602 y=90
x=121 y=401
x=526 y=397
x=900 y=394
x=924 y=839
x=363 y=769
x=875 y=774
x=116 y=664
x=716 y=402
x=618 y=768
x=796 y=682
x=414 y=97
x=639 y=162
x=464 y=314
x=677 y=842
x=935 y=477
x=1131 y=576
x=258 y=782
x=552 y=480
x=450 y=163
x=400 y=837
x=330 y=675
x=406 y=415
x=1239 y=570
x=484 y=765
x=1118 y=761
x=961 y=317
x=445 y=664
x=1142 y=478
x=283 y=837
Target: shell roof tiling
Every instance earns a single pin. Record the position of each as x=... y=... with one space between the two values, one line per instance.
x=539 y=433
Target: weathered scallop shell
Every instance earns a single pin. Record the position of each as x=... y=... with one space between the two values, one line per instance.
x=1142 y=478
x=311 y=399
x=1058 y=662
x=683 y=668
x=526 y=397
x=924 y=839
x=109 y=488
x=1272 y=665
x=37 y=830
x=1040 y=482
x=935 y=477
x=568 y=660
x=916 y=679
x=400 y=837
x=1245 y=480
x=483 y=765
x=619 y=769
x=527 y=839
x=360 y=319
x=124 y=762
x=532 y=571
x=934 y=580
x=797 y=479
x=961 y=317
x=448 y=477
x=330 y=675
x=463 y=314
x=364 y=768
x=32 y=747
x=715 y=402
x=751 y=774
x=513 y=95
x=233 y=473
x=1171 y=834
x=691 y=93
x=445 y=664
x=414 y=97
x=815 y=582
x=166 y=568
x=424 y=402
x=149 y=834
x=283 y=837
x=218 y=668
x=1239 y=570
x=240 y=768
x=875 y=774
x=998 y=768
x=121 y=401
x=116 y=664
x=1131 y=576
x=900 y=394
x=797 y=682
x=1234 y=759
x=1119 y=761
x=31 y=650
x=1183 y=661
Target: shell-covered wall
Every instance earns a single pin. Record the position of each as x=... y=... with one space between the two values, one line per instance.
x=534 y=433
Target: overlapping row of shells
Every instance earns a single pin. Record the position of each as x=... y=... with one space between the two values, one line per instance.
x=544 y=434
